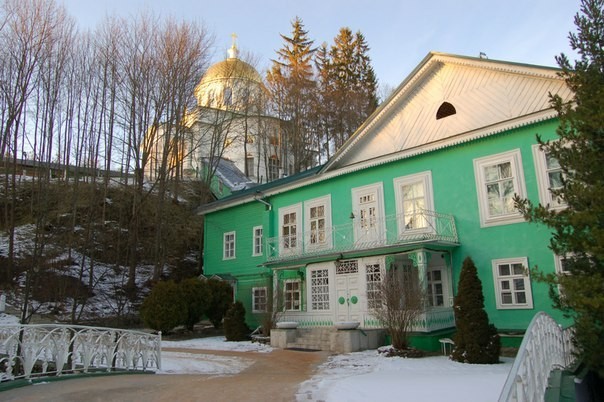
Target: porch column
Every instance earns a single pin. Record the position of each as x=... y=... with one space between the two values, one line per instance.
x=275 y=291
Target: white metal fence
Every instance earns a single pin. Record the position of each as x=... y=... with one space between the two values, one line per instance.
x=41 y=350
x=545 y=346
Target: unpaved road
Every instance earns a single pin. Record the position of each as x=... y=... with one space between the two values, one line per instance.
x=273 y=376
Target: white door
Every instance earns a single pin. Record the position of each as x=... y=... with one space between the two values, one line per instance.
x=348 y=297
x=368 y=222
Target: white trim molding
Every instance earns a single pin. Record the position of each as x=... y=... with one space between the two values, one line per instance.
x=512 y=283
x=498 y=178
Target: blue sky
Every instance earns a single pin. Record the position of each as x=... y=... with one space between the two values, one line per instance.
x=400 y=33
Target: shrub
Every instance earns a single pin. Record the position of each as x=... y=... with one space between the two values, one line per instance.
x=164 y=308
x=235 y=328
x=221 y=297
x=196 y=295
x=476 y=341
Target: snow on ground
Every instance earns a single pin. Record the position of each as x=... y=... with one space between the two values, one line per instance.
x=217 y=343
x=7 y=319
x=364 y=376
x=360 y=376
x=351 y=377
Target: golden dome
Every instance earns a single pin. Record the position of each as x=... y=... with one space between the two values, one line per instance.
x=230 y=69
x=225 y=77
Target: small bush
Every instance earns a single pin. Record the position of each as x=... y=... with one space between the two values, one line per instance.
x=164 y=308
x=235 y=328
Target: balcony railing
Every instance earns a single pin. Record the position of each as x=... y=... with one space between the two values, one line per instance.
x=364 y=235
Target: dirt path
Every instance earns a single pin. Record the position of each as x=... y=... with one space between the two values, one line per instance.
x=273 y=376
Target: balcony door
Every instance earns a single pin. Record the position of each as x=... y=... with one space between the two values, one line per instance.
x=368 y=210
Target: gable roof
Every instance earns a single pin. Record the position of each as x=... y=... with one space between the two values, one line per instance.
x=488 y=96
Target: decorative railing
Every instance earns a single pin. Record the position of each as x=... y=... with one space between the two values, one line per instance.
x=431 y=320
x=545 y=346
x=44 y=350
x=387 y=231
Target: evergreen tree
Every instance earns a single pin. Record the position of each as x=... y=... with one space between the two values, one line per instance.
x=235 y=328
x=578 y=230
x=292 y=86
x=476 y=341
x=348 y=85
x=164 y=308
x=196 y=295
x=221 y=297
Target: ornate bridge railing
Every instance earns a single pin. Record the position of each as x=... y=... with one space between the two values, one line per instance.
x=545 y=346
x=43 y=350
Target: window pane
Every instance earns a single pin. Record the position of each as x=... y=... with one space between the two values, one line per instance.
x=520 y=297
x=518 y=269
x=505 y=170
x=491 y=173
x=505 y=285
x=504 y=270
x=519 y=284
x=555 y=179
x=506 y=298
x=436 y=275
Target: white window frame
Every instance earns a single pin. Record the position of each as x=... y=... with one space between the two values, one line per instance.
x=257 y=239
x=544 y=185
x=289 y=250
x=498 y=282
x=425 y=178
x=431 y=283
x=373 y=288
x=324 y=201
x=298 y=291
x=312 y=303
x=228 y=253
x=515 y=160
x=357 y=192
x=254 y=301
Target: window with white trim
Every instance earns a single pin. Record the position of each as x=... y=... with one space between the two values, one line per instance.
x=259 y=300
x=229 y=246
x=413 y=195
x=549 y=177
x=290 y=228
x=319 y=289
x=512 y=283
x=373 y=275
x=292 y=295
x=317 y=222
x=498 y=178
x=436 y=295
x=257 y=246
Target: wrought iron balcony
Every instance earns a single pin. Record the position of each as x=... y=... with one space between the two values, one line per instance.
x=364 y=234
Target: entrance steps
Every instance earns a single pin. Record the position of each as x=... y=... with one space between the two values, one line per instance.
x=312 y=339
x=327 y=339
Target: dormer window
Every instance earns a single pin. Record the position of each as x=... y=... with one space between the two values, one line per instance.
x=445 y=110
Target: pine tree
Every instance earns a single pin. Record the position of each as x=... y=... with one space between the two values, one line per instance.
x=476 y=341
x=347 y=85
x=292 y=86
x=578 y=230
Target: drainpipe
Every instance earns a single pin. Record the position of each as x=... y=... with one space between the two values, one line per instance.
x=260 y=200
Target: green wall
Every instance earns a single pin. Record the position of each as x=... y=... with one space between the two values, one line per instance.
x=454 y=189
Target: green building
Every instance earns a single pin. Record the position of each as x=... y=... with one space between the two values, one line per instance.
x=425 y=182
